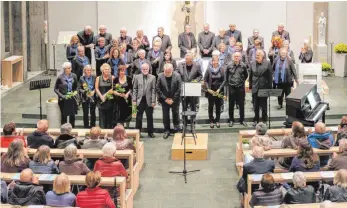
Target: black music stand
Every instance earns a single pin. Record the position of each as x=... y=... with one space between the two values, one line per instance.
x=38 y=85
x=269 y=93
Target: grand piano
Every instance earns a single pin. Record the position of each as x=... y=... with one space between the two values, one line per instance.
x=305 y=105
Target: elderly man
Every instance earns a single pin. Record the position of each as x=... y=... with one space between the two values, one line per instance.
x=39 y=136
x=260 y=77
x=186 y=41
x=339 y=161
x=235 y=78
x=261 y=139
x=252 y=39
x=140 y=61
x=281 y=32
x=221 y=38
x=26 y=191
x=252 y=52
x=144 y=97
x=125 y=39
x=301 y=193
x=165 y=40
x=190 y=71
x=321 y=139
x=234 y=33
x=86 y=38
x=79 y=62
x=205 y=41
x=104 y=34
x=156 y=57
x=169 y=90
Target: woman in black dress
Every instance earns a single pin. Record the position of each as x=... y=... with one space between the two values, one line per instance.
x=66 y=84
x=122 y=111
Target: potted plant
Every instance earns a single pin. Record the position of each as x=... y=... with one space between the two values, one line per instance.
x=326 y=68
x=245 y=144
x=340 y=59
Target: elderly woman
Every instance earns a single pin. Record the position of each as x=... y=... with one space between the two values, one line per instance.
x=115 y=61
x=100 y=197
x=260 y=138
x=127 y=59
x=61 y=195
x=72 y=165
x=268 y=194
x=65 y=85
x=79 y=62
x=65 y=137
x=155 y=56
x=306 y=53
x=257 y=46
x=339 y=161
x=284 y=74
x=213 y=79
x=42 y=162
x=142 y=39
x=301 y=193
x=342 y=130
x=141 y=60
x=120 y=138
x=114 y=44
x=223 y=54
x=306 y=161
x=167 y=59
x=338 y=192
x=290 y=54
x=104 y=92
x=94 y=141
x=109 y=165
x=274 y=51
x=71 y=49
x=101 y=54
x=16 y=158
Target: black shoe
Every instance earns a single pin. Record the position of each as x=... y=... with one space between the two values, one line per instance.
x=211 y=125
x=243 y=124
x=254 y=124
x=177 y=130
x=166 y=135
x=151 y=135
x=280 y=107
x=217 y=124
x=231 y=123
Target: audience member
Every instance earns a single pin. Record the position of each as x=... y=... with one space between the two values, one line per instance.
x=66 y=138
x=306 y=161
x=4 y=192
x=11 y=134
x=94 y=196
x=342 y=130
x=260 y=138
x=72 y=165
x=268 y=194
x=338 y=192
x=39 y=136
x=61 y=196
x=16 y=158
x=94 y=141
x=120 y=138
x=339 y=161
x=27 y=190
x=306 y=53
x=300 y=193
x=71 y=49
x=42 y=162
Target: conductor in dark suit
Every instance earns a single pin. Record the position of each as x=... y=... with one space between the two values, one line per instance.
x=221 y=38
x=252 y=39
x=205 y=41
x=281 y=32
x=79 y=62
x=144 y=96
x=260 y=77
x=104 y=34
x=186 y=41
x=141 y=60
x=165 y=40
x=87 y=40
x=169 y=91
x=234 y=33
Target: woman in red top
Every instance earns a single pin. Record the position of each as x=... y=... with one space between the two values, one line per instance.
x=94 y=196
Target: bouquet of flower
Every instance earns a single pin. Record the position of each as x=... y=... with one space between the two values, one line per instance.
x=133 y=111
x=89 y=92
x=194 y=81
x=108 y=96
x=220 y=95
x=70 y=95
x=119 y=89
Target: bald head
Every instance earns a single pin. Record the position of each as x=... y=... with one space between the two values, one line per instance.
x=42 y=125
x=26 y=175
x=320 y=128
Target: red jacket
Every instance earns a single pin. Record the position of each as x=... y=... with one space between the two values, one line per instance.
x=94 y=198
x=110 y=166
x=6 y=140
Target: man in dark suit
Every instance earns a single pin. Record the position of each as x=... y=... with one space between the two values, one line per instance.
x=141 y=60
x=260 y=77
x=221 y=38
x=165 y=40
x=79 y=62
x=234 y=33
x=169 y=91
x=186 y=41
x=104 y=34
x=144 y=97
x=125 y=39
x=190 y=71
x=86 y=38
x=281 y=32
x=205 y=41
x=252 y=39
x=156 y=57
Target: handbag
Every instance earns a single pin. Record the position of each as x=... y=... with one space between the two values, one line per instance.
x=241 y=185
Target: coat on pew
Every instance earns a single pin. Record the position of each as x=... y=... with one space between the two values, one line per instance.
x=25 y=194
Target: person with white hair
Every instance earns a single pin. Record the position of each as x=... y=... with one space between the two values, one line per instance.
x=65 y=84
x=186 y=41
x=72 y=163
x=39 y=136
x=124 y=38
x=156 y=57
x=221 y=38
x=260 y=138
x=165 y=40
x=306 y=53
x=143 y=40
x=104 y=34
x=205 y=41
x=253 y=38
x=86 y=37
x=301 y=193
x=338 y=192
x=234 y=33
x=137 y=64
x=281 y=32
x=66 y=138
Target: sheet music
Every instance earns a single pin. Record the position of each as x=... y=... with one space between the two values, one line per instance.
x=191 y=89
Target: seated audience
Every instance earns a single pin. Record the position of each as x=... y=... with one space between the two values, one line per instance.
x=65 y=139
x=4 y=194
x=61 y=195
x=268 y=195
x=306 y=161
x=301 y=193
x=10 y=134
x=27 y=190
x=72 y=165
x=42 y=162
x=260 y=138
x=94 y=141
x=339 y=161
x=39 y=136
x=15 y=159
x=109 y=165
x=120 y=138
x=342 y=130
x=321 y=139
x=101 y=197
x=338 y=192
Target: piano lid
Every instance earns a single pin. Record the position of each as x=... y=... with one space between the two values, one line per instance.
x=301 y=91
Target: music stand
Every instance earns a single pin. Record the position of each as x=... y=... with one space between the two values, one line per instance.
x=269 y=93
x=38 y=85
x=194 y=90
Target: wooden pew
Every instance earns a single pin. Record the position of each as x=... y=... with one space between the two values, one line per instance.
x=292 y=152
x=313 y=205
x=310 y=176
x=124 y=195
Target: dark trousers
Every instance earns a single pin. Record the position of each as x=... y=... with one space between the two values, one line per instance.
x=143 y=107
x=71 y=120
x=214 y=101
x=190 y=102
x=88 y=53
x=286 y=89
x=205 y=55
x=237 y=95
x=166 y=115
x=88 y=107
x=105 y=118
x=260 y=102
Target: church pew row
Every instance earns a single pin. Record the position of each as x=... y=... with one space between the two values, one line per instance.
x=313 y=205
x=125 y=195
x=285 y=177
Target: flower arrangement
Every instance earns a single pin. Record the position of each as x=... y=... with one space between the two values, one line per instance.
x=340 y=48
x=89 y=92
x=326 y=67
x=133 y=111
x=220 y=95
x=70 y=95
x=119 y=89
x=245 y=141
x=194 y=81
x=108 y=96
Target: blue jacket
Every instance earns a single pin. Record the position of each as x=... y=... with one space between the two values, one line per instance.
x=60 y=200
x=312 y=138
x=39 y=168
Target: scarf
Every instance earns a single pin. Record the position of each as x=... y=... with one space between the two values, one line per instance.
x=73 y=49
x=221 y=58
x=283 y=71
x=84 y=60
x=141 y=62
x=215 y=70
x=102 y=51
x=89 y=81
x=115 y=66
x=155 y=54
x=231 y=49
x=68 y=80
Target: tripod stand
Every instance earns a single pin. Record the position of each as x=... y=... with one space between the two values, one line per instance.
x=268 y=93
x=38 y=85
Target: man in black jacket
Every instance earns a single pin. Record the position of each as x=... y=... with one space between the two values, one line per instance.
x=86 y=38
x=39 y=136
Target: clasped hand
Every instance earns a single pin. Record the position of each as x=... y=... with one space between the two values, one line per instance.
x=169 y=101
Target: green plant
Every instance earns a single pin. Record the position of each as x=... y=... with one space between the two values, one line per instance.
x=326 y=67
x=245 y=141
x=340 y=48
